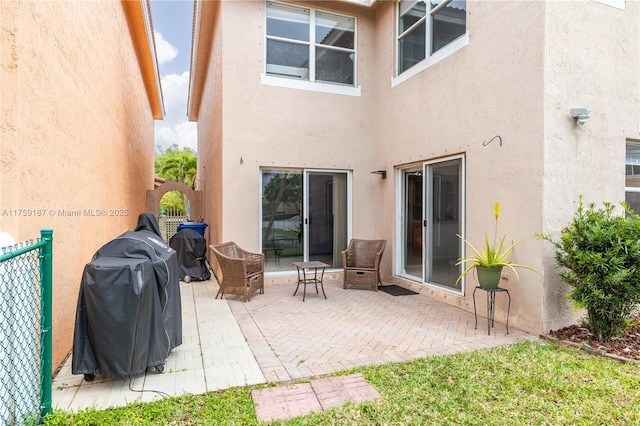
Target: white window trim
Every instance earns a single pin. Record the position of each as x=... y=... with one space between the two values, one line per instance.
x=438 y=56
x=290 y=83
x=312 y=85
x=618 y=4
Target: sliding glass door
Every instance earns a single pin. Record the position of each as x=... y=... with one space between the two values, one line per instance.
x=305 y=216
x=431 y=216
x=413 y=224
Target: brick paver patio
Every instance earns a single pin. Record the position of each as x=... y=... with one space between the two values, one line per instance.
x=279 y=338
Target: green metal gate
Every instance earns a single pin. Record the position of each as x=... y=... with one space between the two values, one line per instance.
x=25 y=330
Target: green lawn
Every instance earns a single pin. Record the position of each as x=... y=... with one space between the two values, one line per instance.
x=530 y=383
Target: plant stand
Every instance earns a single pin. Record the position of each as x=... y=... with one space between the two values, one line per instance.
x=491 y=301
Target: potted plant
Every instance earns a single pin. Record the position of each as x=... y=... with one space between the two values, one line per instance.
x=489 y=262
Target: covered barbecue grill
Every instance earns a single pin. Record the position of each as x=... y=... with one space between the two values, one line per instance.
x=129 y=315
x=191 y=248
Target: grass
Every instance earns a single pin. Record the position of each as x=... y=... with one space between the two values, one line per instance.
x=525 y=383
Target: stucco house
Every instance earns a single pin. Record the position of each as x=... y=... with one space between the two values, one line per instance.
x=80 y=90
x=321 y=121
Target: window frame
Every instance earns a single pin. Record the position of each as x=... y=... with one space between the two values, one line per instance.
x=431 y=58
x=618 y=4
x=311 y=83
x=630 y=189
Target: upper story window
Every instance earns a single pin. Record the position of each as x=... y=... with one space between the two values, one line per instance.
x=310 y=45
x=422 y=31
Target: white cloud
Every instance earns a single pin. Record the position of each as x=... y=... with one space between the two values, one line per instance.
x=175 y=128
x=165 y=51
x=183 y=134
x=175 y=91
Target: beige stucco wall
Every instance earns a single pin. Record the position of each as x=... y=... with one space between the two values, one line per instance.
x=593 y=61
x=76 y=134
x=247 y=126
x=493 y=86
x=525 y=66
x=210 y=177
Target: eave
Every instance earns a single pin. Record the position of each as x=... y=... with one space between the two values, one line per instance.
x=138 y=15
x=367 y=3
x=204 y=18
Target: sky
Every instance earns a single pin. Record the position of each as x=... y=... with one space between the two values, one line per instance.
x=172 y=24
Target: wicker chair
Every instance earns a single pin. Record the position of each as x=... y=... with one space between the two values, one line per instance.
x=239 y=271
x=361 y=262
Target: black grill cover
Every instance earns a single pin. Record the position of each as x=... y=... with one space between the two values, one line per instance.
x=148 y=222
x=129 y=313
x=191 y=248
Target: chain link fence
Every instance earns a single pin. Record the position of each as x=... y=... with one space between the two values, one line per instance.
x=25 y=331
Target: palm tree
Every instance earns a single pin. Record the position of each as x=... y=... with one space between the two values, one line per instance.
x=180 y=167
x=177 y=165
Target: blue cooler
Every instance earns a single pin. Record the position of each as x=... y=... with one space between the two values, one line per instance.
x=198 y=227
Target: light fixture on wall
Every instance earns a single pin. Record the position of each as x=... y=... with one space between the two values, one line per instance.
x=382 y=173
x=580 y=114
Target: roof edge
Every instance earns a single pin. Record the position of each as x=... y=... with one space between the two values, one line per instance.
x=195 y=29
x=367 y=3
x=205 y=20
x=138 y=15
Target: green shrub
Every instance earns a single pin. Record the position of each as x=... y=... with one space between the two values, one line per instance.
x=599 y=253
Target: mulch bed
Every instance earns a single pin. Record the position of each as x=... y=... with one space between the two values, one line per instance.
x=625 y=347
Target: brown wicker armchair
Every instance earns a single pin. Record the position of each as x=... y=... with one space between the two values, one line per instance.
x=239 y=271
x=361 y=262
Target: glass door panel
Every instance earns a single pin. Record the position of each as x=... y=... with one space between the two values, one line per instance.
x=443 y=222
x=413 y=223
x=281 y=219
x=326 y=217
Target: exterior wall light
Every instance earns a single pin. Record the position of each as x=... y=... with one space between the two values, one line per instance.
x=382 y=173
x=580 y=114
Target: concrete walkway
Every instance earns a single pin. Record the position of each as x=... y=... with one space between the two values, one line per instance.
x=276 y=337
x=214 y=355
